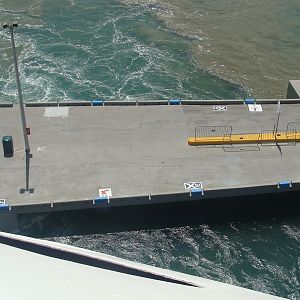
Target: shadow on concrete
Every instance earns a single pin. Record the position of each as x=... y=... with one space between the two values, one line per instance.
x=28 y=156
x=263 y=208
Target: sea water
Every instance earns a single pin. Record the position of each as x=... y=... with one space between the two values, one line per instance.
x=78 y=50
x=81 y=50
x=251 y=242
x=253 y=43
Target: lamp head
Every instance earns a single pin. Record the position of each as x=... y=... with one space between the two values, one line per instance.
x=5 y=26
x=15 y=24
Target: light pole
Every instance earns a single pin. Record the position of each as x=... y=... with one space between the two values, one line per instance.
x=22 y=110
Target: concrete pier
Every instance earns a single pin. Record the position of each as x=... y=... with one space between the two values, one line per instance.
x=293 y=91
x=138 y=154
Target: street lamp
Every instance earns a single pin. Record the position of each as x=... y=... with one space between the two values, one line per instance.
x=22 y=110
x=23 y=118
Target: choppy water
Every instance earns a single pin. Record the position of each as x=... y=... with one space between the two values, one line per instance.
x=72 y=50
x=79 y=50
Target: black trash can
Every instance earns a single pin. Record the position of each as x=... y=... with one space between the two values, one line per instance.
x=8 y=147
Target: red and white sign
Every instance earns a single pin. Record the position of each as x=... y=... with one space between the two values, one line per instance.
x=105 y=192
x=255 y=107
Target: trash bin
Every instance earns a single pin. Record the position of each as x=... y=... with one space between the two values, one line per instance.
x=8 y=147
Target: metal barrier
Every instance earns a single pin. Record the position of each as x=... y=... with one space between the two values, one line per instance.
x=212 y=131
x=295 y=126
x=232 y=143
x=222 y=135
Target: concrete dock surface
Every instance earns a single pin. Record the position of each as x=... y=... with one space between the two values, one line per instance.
x=141 y=153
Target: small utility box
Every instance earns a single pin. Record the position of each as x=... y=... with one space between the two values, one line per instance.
x=8 y=147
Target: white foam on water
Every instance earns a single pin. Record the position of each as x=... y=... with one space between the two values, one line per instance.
x=292 y=232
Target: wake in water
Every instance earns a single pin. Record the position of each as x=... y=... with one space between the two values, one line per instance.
x=250 y=43
x=251 y=242
x=85 y=49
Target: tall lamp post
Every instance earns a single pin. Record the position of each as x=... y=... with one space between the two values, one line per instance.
x=21 y=103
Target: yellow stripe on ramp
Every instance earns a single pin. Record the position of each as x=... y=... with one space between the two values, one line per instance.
x=247 y=138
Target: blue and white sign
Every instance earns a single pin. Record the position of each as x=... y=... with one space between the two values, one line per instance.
x=219 y=108
x=193 y=186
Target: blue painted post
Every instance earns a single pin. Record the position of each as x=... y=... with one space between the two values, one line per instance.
x=249 y=101
x=97 y=102
x=284 y=184
x=175 y=102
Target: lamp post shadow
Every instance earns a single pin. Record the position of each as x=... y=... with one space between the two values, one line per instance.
x=28 y=156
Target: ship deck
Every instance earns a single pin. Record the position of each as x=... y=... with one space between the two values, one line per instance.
x=141 y=153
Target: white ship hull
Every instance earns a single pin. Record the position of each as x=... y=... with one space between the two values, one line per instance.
x=37 y=269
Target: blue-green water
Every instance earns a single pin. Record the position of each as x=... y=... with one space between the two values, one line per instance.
x=79 y=50
x=102 y=49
